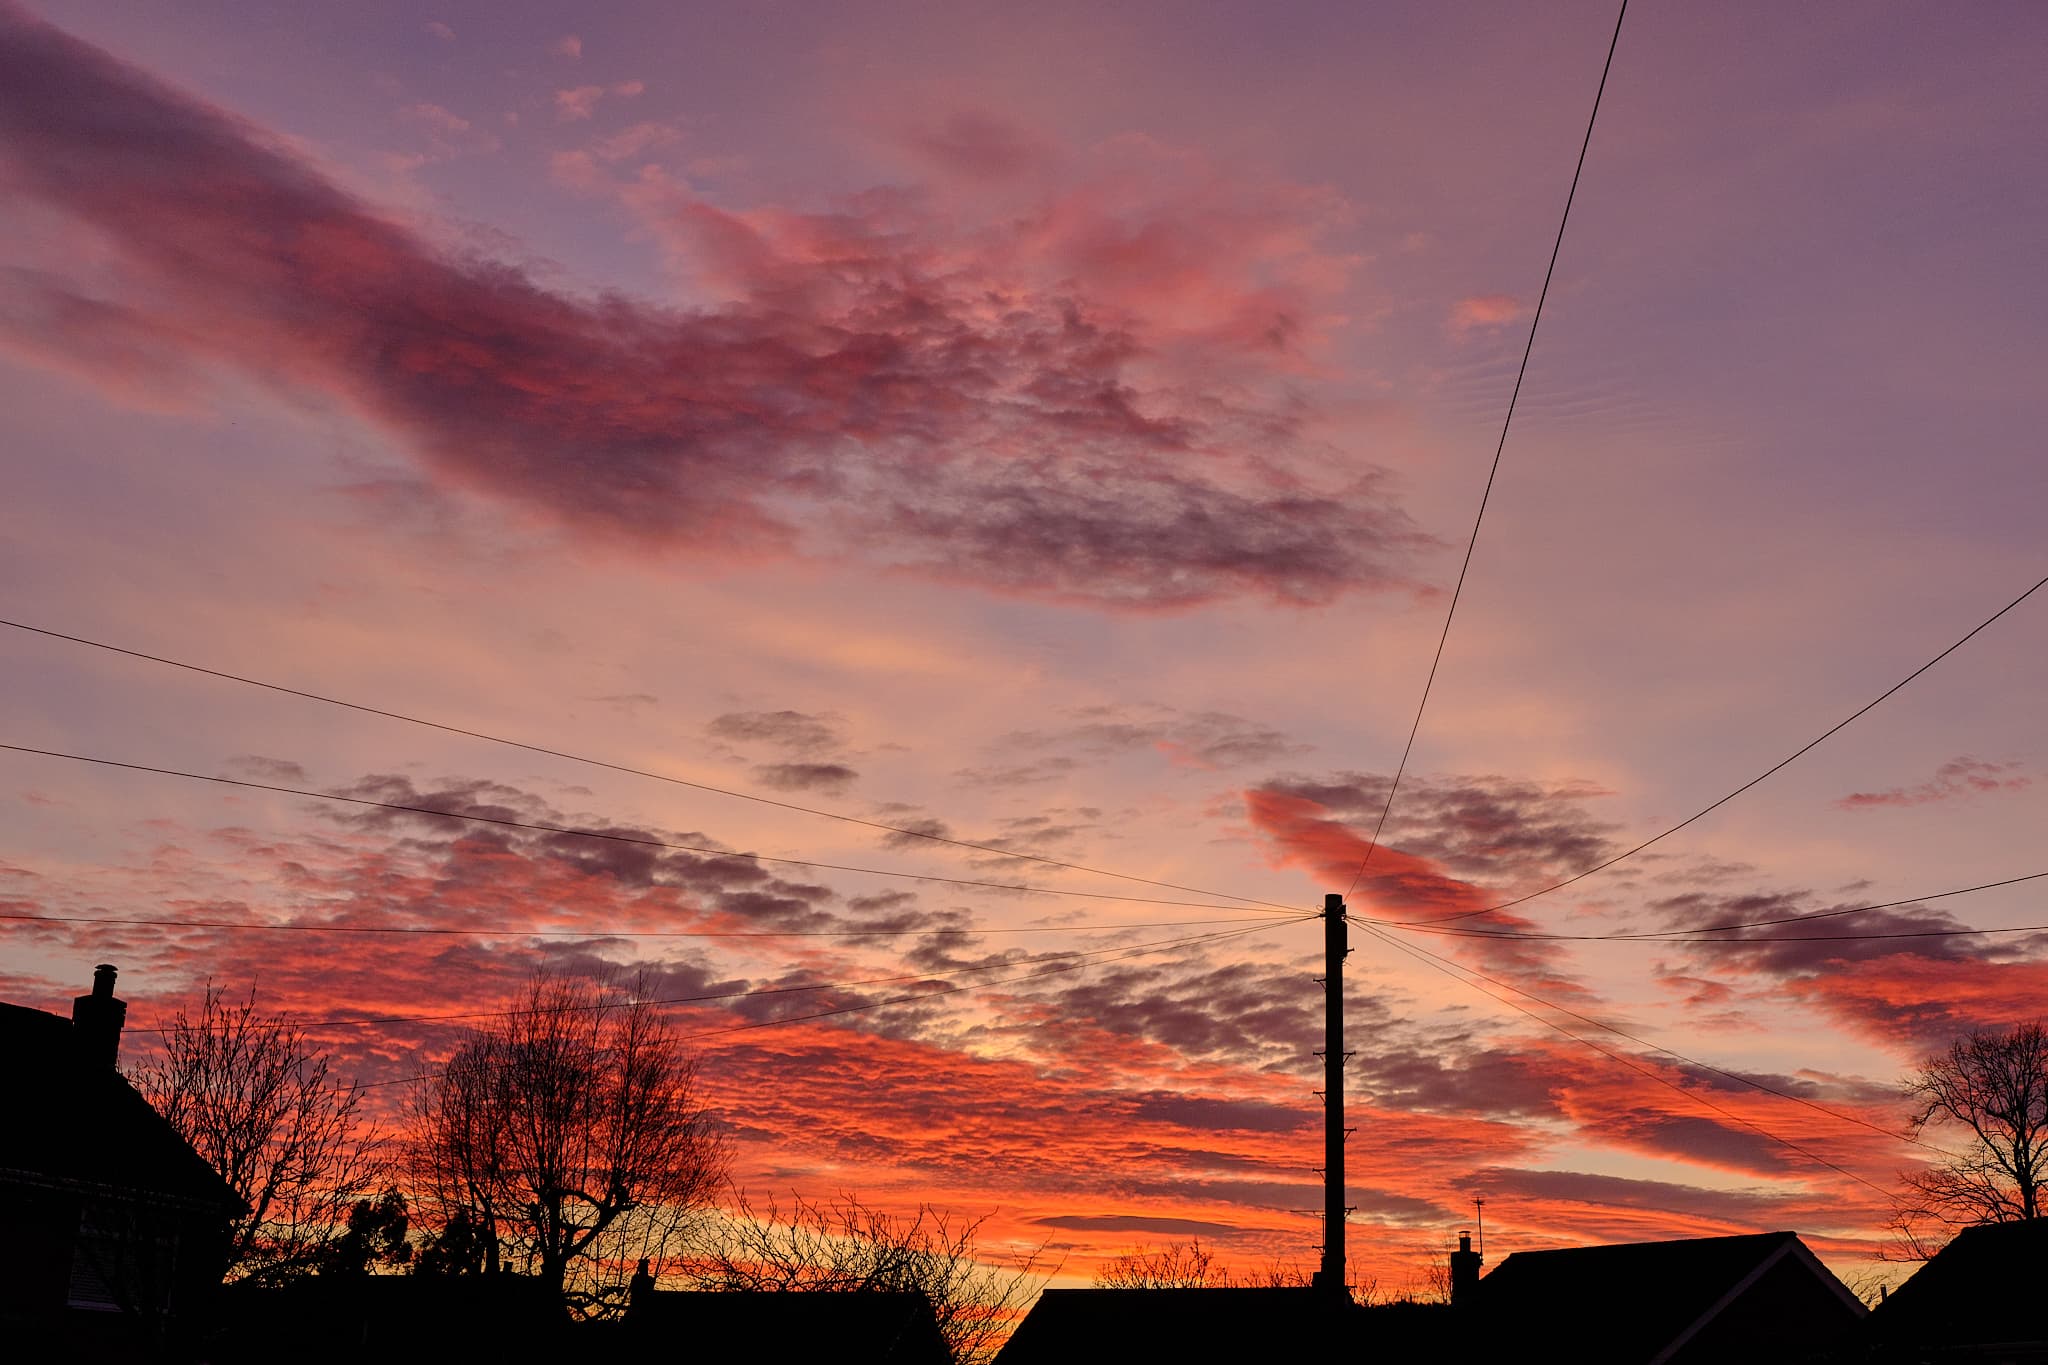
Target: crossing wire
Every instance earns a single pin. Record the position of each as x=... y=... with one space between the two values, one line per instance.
x=512 y=931
x=920 y=996
x=1521 y=373
x=1439 y=964
x=1655 y=1047
x=1780 y=765
x=1692 y=935
x=1109 y=954
x=900 y=830
x=640 y=840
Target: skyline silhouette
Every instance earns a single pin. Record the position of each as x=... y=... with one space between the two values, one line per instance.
x=1050 y=446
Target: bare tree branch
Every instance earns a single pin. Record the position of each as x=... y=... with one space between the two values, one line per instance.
x=258 y=1105
x=1990 y=1090
x=564 y=1139
x=847 y=1246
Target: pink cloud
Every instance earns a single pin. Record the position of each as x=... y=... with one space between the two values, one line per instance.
x=441 y=31
x=435 y=117
x=578 y=102
x=1146 y=1089
x=1484 y=312
x=1096 y=404
x=637 y=141
x=979 y=146
x=568 y=45
x=1959 y=777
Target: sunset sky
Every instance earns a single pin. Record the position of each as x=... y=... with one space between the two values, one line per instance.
x=1056 y=428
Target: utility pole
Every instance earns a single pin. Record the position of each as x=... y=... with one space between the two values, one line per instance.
x=1330 y=1278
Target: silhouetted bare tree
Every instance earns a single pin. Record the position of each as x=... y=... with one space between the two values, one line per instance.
x=1180 y=1265
x=1988 y=1094
x=1190 y=1265
x=258 y=1104
x=565 y=1138
x=848 y=1246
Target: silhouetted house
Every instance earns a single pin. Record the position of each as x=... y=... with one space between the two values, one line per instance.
x=1754 y=1299
x=395 y=1320
x=1975 y=1301
x=1082 y=1326
x=113 y=1232
x=850 y=1328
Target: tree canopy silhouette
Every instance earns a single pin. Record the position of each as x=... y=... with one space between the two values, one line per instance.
x=259 y=1106
x=565 y=1139
x=1989 y=1094
x=1181 y=1265
x=1190 y=1265
x=848 y=1246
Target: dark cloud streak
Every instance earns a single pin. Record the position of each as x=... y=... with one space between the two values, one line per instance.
x=857 y=399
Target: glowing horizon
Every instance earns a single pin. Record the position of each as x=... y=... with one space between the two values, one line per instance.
x=1062 y=438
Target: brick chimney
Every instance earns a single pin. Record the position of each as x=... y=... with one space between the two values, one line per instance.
x=96 y=1020
x=1464 y=1273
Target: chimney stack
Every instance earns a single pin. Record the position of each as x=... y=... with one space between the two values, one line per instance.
x=96 y=1020
x=1464 y=1273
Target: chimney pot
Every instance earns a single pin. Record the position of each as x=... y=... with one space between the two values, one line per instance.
x=1464 y=1273
x=96 y=1020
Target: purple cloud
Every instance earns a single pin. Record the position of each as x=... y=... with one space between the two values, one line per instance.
x=868 y=393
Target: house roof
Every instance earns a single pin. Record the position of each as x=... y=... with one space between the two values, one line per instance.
x=73 y=1122
x=393 y=1320
x=1982 y=1287
x=852 y=1328
x=1073 y=1326
x=1648 y=1302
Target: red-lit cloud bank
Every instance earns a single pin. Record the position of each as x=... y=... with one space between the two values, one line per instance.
x=1053 y=447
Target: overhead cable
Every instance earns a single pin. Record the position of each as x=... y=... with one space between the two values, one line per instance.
x=1736 y=1076
x=510 y=931
x=1781 y=764
x=635 y=839
x=1055 y=970
x=1111 y=953
x=1431 y=960
x=1693 y=936
x=1521 y=373
x=905 y=831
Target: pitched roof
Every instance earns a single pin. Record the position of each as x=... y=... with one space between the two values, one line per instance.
x=1073 y=1326
x=76 y=1122
x=866 y=1327
x=1647 y=1302
x=1982 y=1287
x=394 y=1320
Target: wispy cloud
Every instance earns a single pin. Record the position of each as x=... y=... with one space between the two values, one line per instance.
x=1959 y=777
x=878 y=388
x=1484 y=313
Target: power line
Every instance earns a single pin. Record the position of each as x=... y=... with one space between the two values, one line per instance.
x=613 y=837
x=1689 y=935
x=753 y=991
x=903 y=830
x=1472 y=542
x=928 y=995
x=1781 y=764
x=507 y=931
x=1762 y=942
x=1657 y=1047
x=1439 y=964
x=976 y=985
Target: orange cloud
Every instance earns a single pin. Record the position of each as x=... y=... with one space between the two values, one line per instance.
x=1484 y=312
